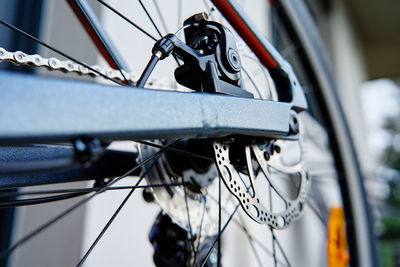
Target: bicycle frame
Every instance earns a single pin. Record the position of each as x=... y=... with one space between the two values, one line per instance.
x=77 y=109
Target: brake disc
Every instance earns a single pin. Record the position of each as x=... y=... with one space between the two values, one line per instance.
x=266 y=161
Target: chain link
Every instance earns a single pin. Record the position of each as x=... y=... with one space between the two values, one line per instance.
x=66 y=66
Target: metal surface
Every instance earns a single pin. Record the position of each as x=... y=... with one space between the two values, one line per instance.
x=244 y=186
x=111 y=164
x=34 y=109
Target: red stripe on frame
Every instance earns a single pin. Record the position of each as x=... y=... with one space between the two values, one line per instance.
x=242 y=29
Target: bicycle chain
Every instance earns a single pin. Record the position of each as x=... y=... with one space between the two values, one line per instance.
x=66 y=66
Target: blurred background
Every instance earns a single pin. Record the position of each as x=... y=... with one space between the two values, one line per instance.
x=362 y=39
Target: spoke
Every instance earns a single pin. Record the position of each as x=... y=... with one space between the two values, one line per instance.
x=200 y=229
x=91 y=23
x=288 y=179
x=315 y=211
x=150 y=18
x=183 y=152
x=180 y=5
x=272 y=186
x=274 y=239
x=252 y=81
x=316 y=203
x=127 y=20
x=222 y=231
x=84 y=190
x=36 y=201
x=244 y=229
x=157 y=29
x=262 y=69
x=109 y=223
x=327 y=179
x=252 y=238
x=270 y=228
x=160 y=15
x=188 y=218
x=57 y=51
x=219 y=222
x=4 y=254
x=258 y=242
x=273 y=247
x=281 y=249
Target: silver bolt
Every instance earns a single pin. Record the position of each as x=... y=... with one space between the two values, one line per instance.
x=293 y=122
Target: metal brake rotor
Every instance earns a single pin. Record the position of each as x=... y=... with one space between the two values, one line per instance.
x=243 y=186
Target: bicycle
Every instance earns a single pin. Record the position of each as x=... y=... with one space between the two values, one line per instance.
x=218 y=136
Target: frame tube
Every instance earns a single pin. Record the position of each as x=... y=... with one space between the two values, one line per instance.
x=59 y=111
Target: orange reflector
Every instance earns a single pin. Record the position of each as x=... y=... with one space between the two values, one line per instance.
x=338 y=256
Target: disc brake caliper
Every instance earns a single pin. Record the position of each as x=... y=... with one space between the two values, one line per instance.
x=211 y=61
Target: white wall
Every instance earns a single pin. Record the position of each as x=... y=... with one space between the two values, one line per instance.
x=350 y=73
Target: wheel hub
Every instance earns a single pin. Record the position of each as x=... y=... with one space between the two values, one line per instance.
x=197 y=199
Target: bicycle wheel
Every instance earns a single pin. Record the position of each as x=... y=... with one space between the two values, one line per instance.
x=315 y=172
